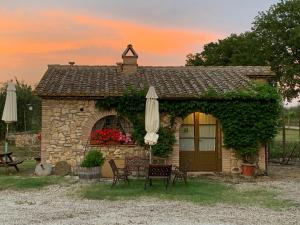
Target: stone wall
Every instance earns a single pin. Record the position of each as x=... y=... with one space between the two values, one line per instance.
x=25 y=145
x=26 y=139
x=66 y=126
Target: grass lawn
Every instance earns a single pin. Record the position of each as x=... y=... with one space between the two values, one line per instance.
x=291 y=135
x=292 y=142
x=199 y=191
x=25 y=180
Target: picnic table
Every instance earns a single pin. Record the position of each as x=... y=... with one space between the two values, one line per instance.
x=6 y=161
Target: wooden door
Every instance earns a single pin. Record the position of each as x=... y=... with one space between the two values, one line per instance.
x=199 y=143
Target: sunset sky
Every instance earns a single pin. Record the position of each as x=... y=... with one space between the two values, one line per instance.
x=35 y=33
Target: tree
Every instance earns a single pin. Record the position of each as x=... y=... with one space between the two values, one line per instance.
x=194 y=60
x=274 y=41
x=278 y=30
x=31 y=119
x=235 y=50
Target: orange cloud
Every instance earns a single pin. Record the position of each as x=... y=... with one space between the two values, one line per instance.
x=30 y=40
x=151 y=39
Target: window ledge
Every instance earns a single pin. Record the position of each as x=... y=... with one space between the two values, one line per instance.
x=129 y=145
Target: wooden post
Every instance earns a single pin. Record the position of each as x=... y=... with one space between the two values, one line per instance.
x=299 y=129
x=283 y=136
x=150 y=156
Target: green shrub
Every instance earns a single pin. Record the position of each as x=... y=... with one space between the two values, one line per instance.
x=249 y=117
x=92 y=159
x=165 y=143
x=247 y=154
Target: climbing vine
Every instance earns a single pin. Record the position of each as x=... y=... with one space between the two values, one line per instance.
x=248 y=117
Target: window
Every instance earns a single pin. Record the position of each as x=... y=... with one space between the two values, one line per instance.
x=198 y=133
x=207 y=132
x=112 y=130
x=187 y=134
x=114 y=122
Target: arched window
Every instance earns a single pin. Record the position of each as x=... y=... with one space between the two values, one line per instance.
x=114 y=122
x=112 y=130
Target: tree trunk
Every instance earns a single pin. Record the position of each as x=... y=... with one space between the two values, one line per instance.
x=299 y=129
x=283 y=137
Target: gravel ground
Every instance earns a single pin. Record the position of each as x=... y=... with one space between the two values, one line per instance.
x=55 y=206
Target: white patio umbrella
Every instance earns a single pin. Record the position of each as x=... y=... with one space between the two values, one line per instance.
x=10 y=109
x=151 y=119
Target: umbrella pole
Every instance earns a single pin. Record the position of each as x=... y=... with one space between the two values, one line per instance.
x=150 y=155
x=6 y=141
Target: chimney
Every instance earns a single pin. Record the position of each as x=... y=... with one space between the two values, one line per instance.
x=129 y=65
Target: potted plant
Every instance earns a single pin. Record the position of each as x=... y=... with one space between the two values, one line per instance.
x=90 y=168
x=249 y=158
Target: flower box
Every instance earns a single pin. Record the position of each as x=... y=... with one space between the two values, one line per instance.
x=109 y=137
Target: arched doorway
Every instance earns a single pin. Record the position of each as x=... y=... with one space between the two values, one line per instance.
x=199 y=142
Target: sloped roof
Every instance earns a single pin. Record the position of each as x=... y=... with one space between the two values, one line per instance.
x=169 y=82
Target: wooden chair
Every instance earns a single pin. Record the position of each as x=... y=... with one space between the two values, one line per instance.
x=158 y=172
x=119 y=173
x=181 y=172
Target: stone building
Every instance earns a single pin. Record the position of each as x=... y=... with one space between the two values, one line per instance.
x=69 y=114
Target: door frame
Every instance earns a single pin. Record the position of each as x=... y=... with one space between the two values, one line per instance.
x=193 y=155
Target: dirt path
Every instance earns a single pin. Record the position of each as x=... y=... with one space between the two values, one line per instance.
x=286 y=179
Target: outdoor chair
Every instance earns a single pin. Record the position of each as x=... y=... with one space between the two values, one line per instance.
x=119 y=173
x=181 y=172
x=136 y=164
x=158 y=172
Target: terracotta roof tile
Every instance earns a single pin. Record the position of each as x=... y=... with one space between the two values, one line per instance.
x=169 y=82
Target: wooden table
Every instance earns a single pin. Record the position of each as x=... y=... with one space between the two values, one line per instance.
x=7 y=161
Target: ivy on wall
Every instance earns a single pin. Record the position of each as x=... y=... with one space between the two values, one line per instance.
x=248 y=117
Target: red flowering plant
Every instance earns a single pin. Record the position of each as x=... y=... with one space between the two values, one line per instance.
x=109 y=136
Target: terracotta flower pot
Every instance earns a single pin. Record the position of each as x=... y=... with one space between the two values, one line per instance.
x=248 y=170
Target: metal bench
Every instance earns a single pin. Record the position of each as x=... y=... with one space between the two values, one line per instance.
x=158 y=172
x=136 y=164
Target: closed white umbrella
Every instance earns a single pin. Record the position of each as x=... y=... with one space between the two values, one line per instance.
x=151 y=118
x=10 y=108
